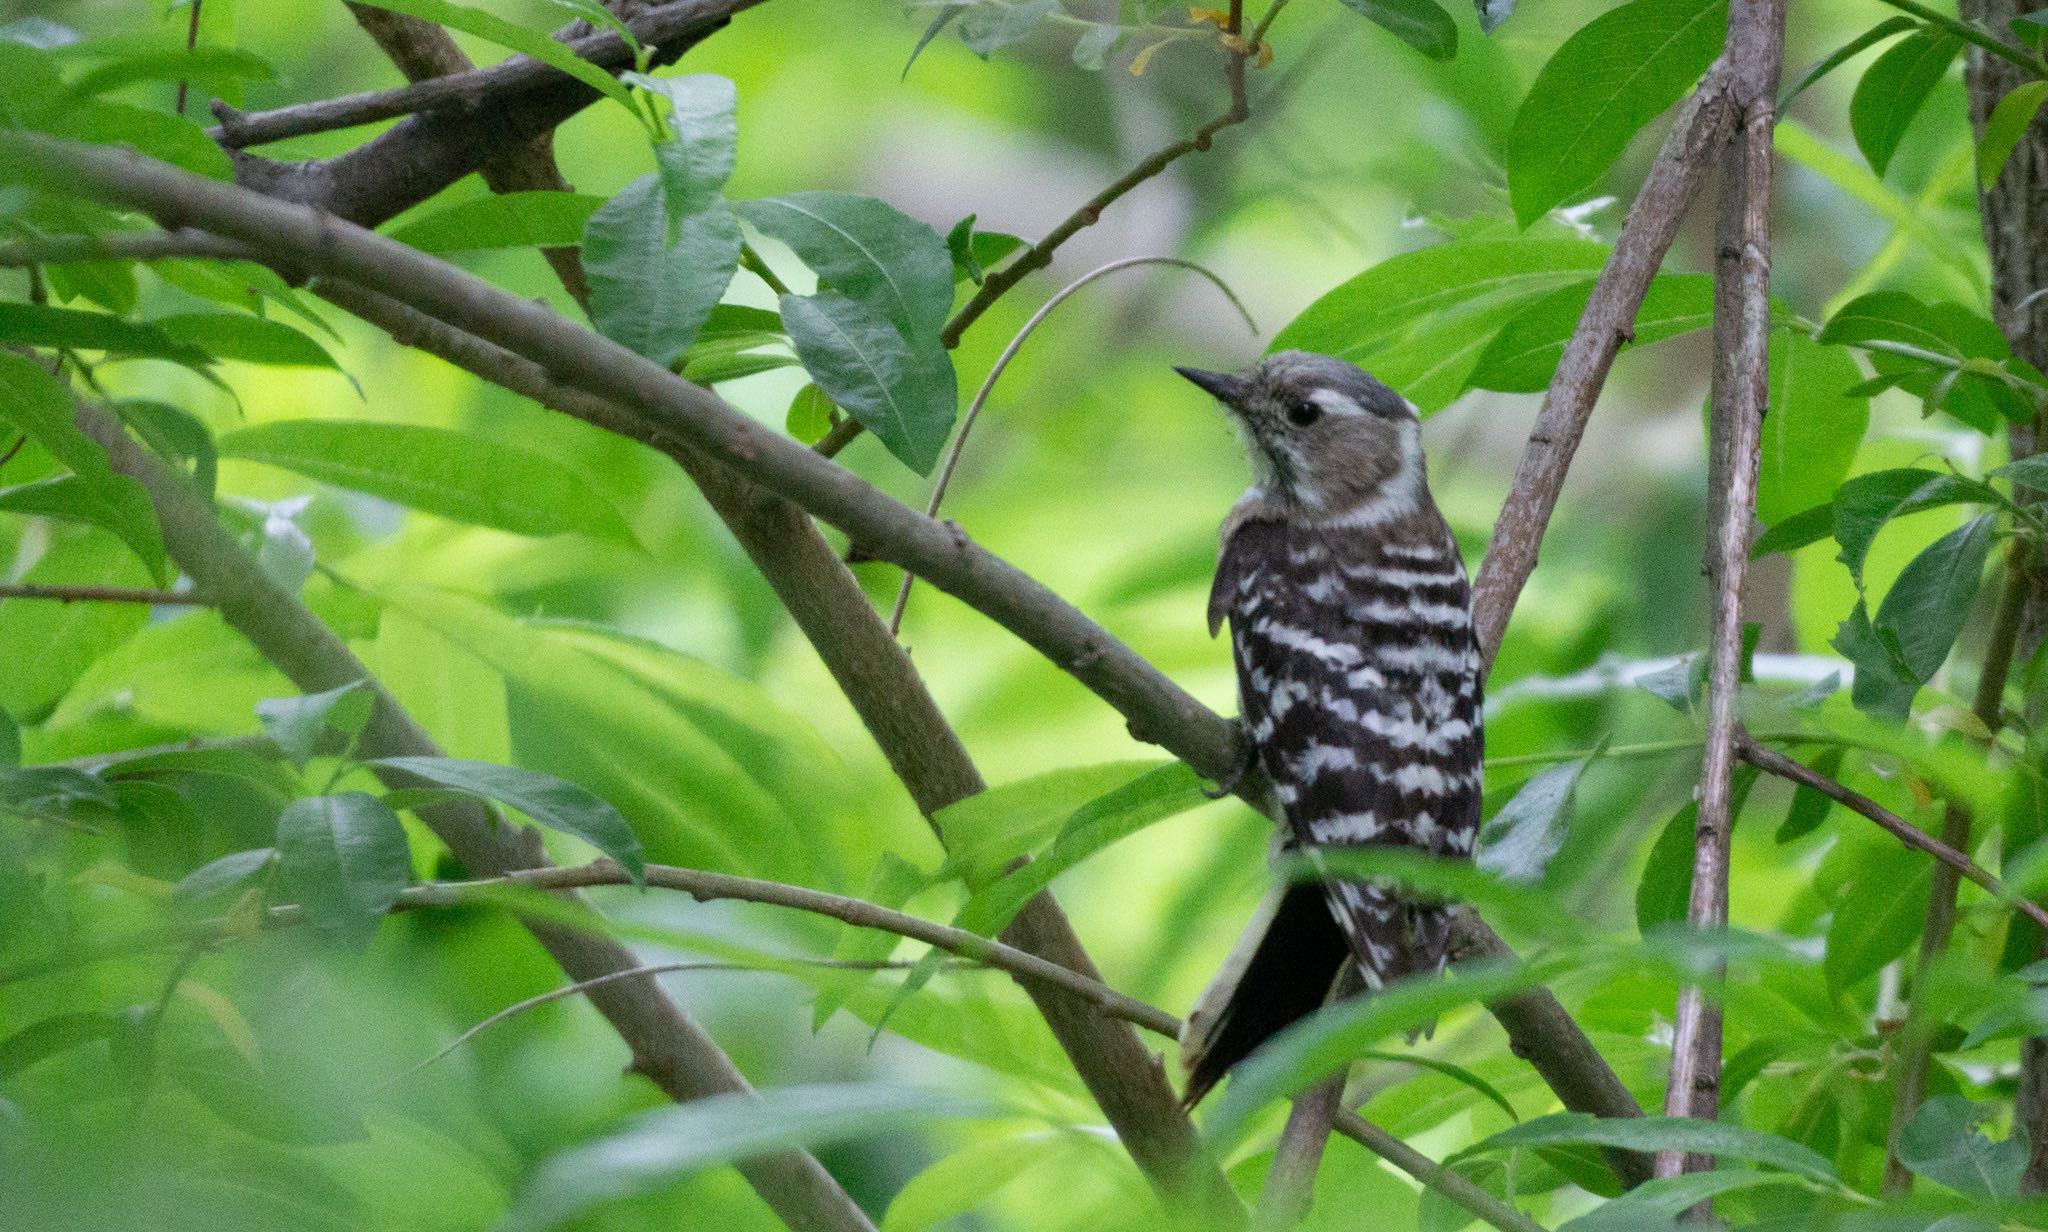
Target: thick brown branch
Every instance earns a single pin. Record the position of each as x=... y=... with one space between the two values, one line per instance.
x=1742 y=323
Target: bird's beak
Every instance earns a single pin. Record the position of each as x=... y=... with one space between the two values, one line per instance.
x=1222 y=386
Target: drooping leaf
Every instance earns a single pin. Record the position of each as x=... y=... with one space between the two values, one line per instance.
x=1894 y=88
x=68 y=637
x=468 y=477
x=343 y=858
x=206 y=68
x=1422 y=24
x=1517 y=843
x=158 y=134
x=297 y=724
x=1877 y=916
x=175 y=434
x=902 y=391
x=42 y=326
x=555 y=803
x=1890 y=27
x=252 y=340
x=698 y=157
x=2008 y=122
x=1809 y=808
x=866 y=250
x=1092 y=49
x=1924 y=611
x=654 y=279
x=1883 y=686
x=1524 y=356
x=503 y=220
x=495 y=29
x=1665 y=890
x=1616 y=74
x=660 y=1146
x=1814 y=426
x=1657 y=1204
x=810 y=415
x=1941 y=1143
x=230 y=872
x=1867 y=503
x=937 y=26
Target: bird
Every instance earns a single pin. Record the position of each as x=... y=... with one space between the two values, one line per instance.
x=1359 y=685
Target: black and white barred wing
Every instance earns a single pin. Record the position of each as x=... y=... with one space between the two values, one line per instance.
x=1358 y=676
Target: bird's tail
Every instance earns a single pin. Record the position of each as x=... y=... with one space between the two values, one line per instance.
x=1290 y=955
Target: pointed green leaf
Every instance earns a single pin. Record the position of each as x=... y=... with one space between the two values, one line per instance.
x=114 y=502
x=1421 y=24
x=1878 y=915
x=342 y=858
x=1619 y=72
x=297 y=724
x=252 y=340
x=1941 y=1143
x=1661 y=1133
x=1517 y=843
x=2008 y=122
x=1524 y=356
x=1894 y=88
x=503 y=220
x=654 y=279
x=555 y=803
x=1814 y=426
x=868 y=251
x=903 y=392
x=698 y=157
x=495 y=29
x=1924 y=611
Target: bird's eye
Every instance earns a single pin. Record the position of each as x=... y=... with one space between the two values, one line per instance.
x=1302 y=414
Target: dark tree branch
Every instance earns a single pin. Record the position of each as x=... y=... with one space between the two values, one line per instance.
x=667 y=1047
x=1741 y=387
x=425 y=52
x=481 y=115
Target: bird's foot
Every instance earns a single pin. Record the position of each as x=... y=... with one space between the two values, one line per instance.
x=1249 y=756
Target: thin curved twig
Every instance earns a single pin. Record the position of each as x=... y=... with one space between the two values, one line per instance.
x=988 y=384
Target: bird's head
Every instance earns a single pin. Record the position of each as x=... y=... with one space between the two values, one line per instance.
x=1326 y=440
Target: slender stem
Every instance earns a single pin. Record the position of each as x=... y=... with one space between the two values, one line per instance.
x=995 y=372
x=1773 y=762
x=753 y=263
x=191 y=42
x=104 y=594
x=1433 y=1175
x=1916 y=1040
x=1742 y=323
x=1971 y=34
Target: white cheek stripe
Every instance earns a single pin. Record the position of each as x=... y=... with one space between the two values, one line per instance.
x=1335 y=403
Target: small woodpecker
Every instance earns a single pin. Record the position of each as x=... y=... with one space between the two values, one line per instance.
x=1358 y=680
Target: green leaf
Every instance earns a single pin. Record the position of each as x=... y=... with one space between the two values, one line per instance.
x=114 y=502
x=1809 y=808
x=891 y=885
x=1421 y=24
x=2008 y=122
x=468 y=477
x=868 y=251
x=205 y=67
x=1663 y=893
x=1894 y=88
x=555 y=803
x=1166 y=792
x=217 y=877
x=1877 y=916
x=989 y=829
x=343 y=858
x=811 y=415
x=1890 y=27
x=252 y=340
x=654 y=278
x=503 y=220
x=68 y=637
x=1941 y=1143
x=174 y=434
x=297 y=724
x=49 y=1037
x=1660 y=1133
x=495 y=29
x=1092 y=49
x=1925 y=609
x=1517 y=843
x=994 y=24
x=974 y=251
x=1883 y=686
x=1658 y=1203
x=659 y=1147
x=1524 y=356
x=39 y=325
x=1796 y=531
x=51 y=791
x=903 y=392
x=697 y=159
x=1867 y=503
x=158 y=134
x=10 y=742
x=40 y=407
x=937 y=25
x=1814 y=427
x=1607 y=81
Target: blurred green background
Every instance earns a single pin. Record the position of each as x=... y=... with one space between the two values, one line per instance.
x=709 y=720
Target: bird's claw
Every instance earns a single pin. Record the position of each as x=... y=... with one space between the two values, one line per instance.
x=1228 y=784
